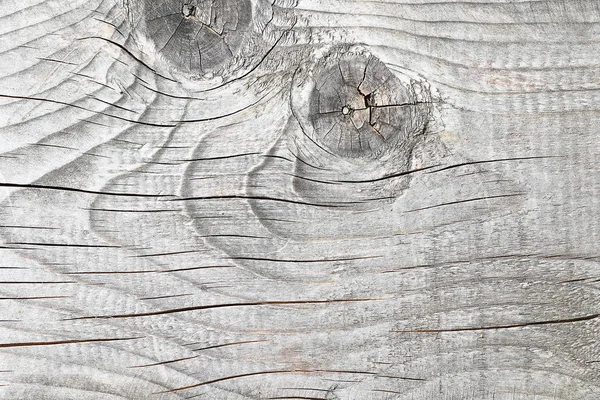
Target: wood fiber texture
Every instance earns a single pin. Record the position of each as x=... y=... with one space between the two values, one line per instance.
x=299 y=199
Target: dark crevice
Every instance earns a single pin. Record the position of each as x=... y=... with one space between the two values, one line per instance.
x=217 y=346
x=466 y=201
x=28 y=344
x=165 y=297
x=130 y=54
x=225 y=305
x=34 y=298
x=164 y=362
x=369 y=104
x=130 y=210
x=220 y=157
x=290 y=371
x=63 y=245
x=493 y=161
x=196 y=268
x=399 y=174
x=304 y=261
x=265 y=198
x=507 y=326
x=168 y=253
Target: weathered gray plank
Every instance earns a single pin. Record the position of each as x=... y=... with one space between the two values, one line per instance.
x=311 y=199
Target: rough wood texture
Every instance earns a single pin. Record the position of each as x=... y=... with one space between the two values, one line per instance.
x=320 y=199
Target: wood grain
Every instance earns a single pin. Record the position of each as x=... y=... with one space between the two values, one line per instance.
x=311 y=199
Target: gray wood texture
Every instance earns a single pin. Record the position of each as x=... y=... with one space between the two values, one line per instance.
x=311 y=199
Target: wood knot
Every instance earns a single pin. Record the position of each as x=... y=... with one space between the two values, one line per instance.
x=357 y=108
x=196 y=36
x=361 y=128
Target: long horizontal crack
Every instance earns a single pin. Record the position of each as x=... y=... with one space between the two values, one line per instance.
x=227 y=305
x=290 y=371
x=58 y=342
x=279 y=260
x=507 y=326
x=467 y=201
x=493 y=161
x=69 y=189
x=244 y=197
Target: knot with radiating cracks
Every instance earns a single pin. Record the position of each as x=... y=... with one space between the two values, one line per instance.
x=195 y=36
x=358 y=108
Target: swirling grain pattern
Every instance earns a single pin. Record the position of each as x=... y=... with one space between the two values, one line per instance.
x=311 y=199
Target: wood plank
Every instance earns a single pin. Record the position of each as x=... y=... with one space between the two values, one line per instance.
x=311 y=199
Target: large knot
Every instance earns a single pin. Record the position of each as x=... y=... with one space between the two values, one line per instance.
x=195 y=36
x=359 y=108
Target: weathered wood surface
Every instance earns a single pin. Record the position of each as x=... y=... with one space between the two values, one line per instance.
x=317 y=199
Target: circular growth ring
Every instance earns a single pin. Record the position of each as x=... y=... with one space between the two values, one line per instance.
x=195 y=36
x=352 y=105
